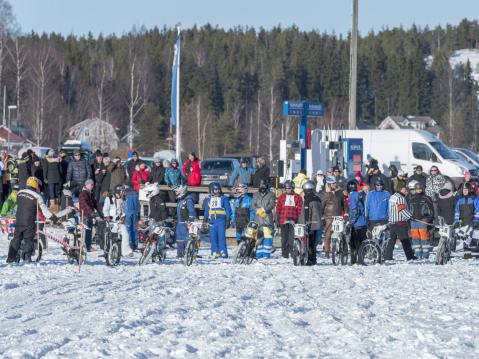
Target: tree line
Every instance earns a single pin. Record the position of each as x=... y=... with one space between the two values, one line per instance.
x=233 y=82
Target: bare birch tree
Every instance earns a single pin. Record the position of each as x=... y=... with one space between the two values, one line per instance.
x=18 y=55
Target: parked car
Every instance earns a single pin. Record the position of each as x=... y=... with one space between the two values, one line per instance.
x=469 y=156
x=41 y=152
x=218 y=170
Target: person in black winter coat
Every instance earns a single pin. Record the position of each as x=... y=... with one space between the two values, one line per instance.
x=262 y=171
x=446 y=203
x=78 y=172
x=63 y=162
x=37 y=171
x=418 y=176
x=157 y=173
x=131 y=165
x=373 y=174
x=24 y=170
x=51 y=167
x=98 y=170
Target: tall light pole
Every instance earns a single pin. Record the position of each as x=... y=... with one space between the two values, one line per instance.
x=353 y=74
x=10 y=107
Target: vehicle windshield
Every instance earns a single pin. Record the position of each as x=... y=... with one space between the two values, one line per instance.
x=471 y=154
x=445 y=152
x=216 y=165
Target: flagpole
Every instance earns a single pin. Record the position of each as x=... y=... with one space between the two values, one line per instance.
x=178 y=131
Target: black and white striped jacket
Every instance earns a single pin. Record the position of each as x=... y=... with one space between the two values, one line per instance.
x=398 y=211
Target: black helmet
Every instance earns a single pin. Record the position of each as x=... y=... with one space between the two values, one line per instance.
x=263 y=184
x=215 y=185
x=352 y=186
x=289 y=184
x=379 y=182
x=419 y=185
x=118 y=189
x=468 y=186
x=309 y=186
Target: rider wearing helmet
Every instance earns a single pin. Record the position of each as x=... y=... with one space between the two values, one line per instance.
x=357 y=218
x=28 y=200
x=218 y=214
x=263 y=205
x=311 y=215
x=158 y=210
x=422 y=210
x=333 y=205
x=9 y=207
x=377 y=204
x=467 y=206
x=114 y=210
x=185 y=212
x=288 y=209
x=242 y=211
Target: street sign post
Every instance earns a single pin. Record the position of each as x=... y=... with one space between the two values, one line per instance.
x=303 y=109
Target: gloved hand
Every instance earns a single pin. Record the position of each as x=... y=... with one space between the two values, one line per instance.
x=475 y=225
x=54 y=219
x=228 y=223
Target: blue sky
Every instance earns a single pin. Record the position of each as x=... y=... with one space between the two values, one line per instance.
x=108 y=16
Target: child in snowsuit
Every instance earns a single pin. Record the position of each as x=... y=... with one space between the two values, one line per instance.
x=185 y=212
x=218 y=213
x=243 y=211
x=9 y=207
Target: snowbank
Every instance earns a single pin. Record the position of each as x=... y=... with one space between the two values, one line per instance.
x=269 y=309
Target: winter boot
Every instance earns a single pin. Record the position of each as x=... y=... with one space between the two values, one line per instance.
x=12 y=255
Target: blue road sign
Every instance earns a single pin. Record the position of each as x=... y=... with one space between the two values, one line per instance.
x=300 y=108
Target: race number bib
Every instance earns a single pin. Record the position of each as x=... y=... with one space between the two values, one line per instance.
x=215 y=202
x=289 y=202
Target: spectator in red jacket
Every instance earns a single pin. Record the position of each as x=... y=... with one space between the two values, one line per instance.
x=288 y=208
x=192 y=170
x=140 y=176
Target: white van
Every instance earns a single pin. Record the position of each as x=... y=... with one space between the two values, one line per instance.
x=404 y=148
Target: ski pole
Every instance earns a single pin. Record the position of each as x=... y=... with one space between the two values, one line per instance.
x=38 y=233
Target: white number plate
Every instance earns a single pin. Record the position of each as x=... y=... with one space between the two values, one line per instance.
x=299 y=230
x=338 y=224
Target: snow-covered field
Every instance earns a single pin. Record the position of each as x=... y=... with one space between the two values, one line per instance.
x=214 y=309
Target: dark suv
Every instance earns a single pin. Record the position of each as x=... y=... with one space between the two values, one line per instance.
x=218 y=170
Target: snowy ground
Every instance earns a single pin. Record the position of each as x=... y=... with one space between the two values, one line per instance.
x=215 y=309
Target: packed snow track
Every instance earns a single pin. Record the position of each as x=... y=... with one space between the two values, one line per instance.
x=215 y=309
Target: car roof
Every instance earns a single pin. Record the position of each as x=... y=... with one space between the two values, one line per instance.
x=220 y=159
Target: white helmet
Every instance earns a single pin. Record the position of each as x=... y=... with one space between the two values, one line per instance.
x=412 y=184
x=180 y=191
x=151 y=190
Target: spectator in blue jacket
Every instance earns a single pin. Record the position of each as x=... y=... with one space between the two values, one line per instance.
x=242 y=175
x=357 y=217
x=132 y=211
x=377 y=203
x=243 y=211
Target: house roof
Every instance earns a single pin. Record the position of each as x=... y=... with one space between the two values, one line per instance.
x=425 y=119
x=8 y=135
